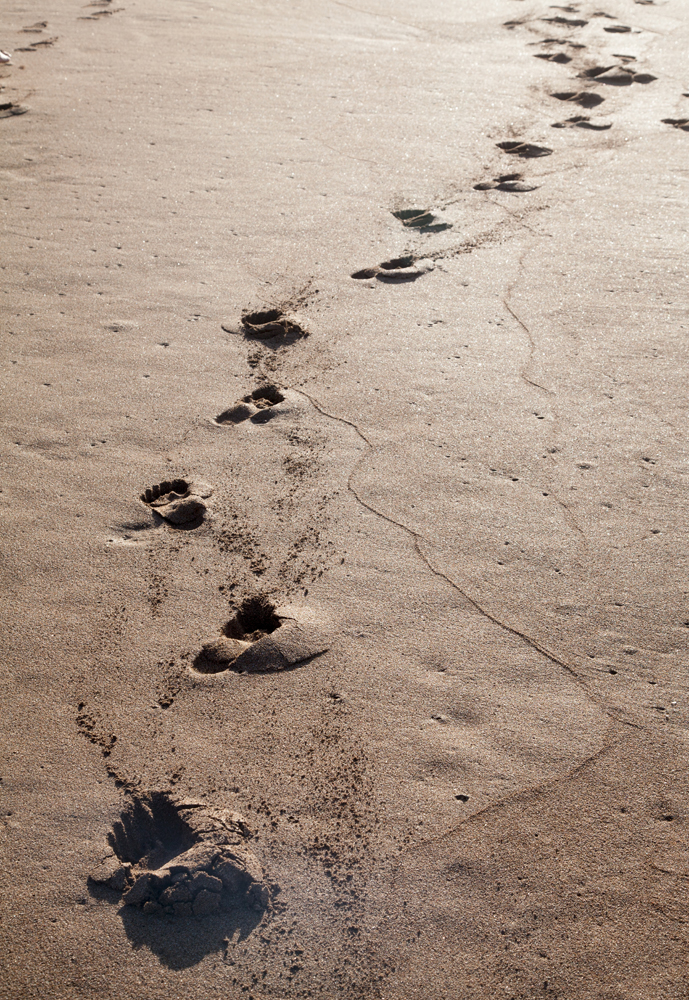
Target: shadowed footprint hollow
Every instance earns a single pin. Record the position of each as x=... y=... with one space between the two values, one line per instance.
x=506 y=182
x=396 y=270
x=525 y=150
x=421 y=219
x=584 y=99
x=582 y=121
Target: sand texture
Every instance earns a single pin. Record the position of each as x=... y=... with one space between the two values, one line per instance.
x=344 y=493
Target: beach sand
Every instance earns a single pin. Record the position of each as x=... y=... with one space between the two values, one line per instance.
x=460 y=761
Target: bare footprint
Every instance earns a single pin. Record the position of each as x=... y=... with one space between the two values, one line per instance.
x=556 y=57
x=617 y=76
x=506 y=182
x=525 y=150
x=9 y=109
x=580 y=121
x=569 y=21
x=593 y=71
x=269 y=323
x=560 y=41
x=398 y=270
x=181 y=858
x=178 y=501
x=422 y=219
x=263 y=638
x=257 y=407
x=98 y=14
x=680 y=123
x=584 y=98
x=44 y=43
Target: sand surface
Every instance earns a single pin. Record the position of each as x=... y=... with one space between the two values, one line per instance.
x=468 y=778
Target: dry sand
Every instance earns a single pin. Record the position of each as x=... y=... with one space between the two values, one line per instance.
x=469 y=777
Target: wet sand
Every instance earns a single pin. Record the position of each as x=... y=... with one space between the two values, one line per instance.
x=368 y=313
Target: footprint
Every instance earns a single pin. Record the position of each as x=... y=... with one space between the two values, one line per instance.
x=580 y=121
x=255 y=619
x=366 y=272
x=619 y=77
x=559 y=41
x=593 y=71
x=618 y=29
x=181 y=858
x=556 y=57
x=269 y=323
x=99 y=13
x=9 y=109
x=569 y=21
x=421 y=219
x=525 y=150
x=178 y=501
x=263 y=638
x=44 y=43
x=681 y=123
x=400 y=269
x=257 y=406
x=506 y=182
x=585 y=99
